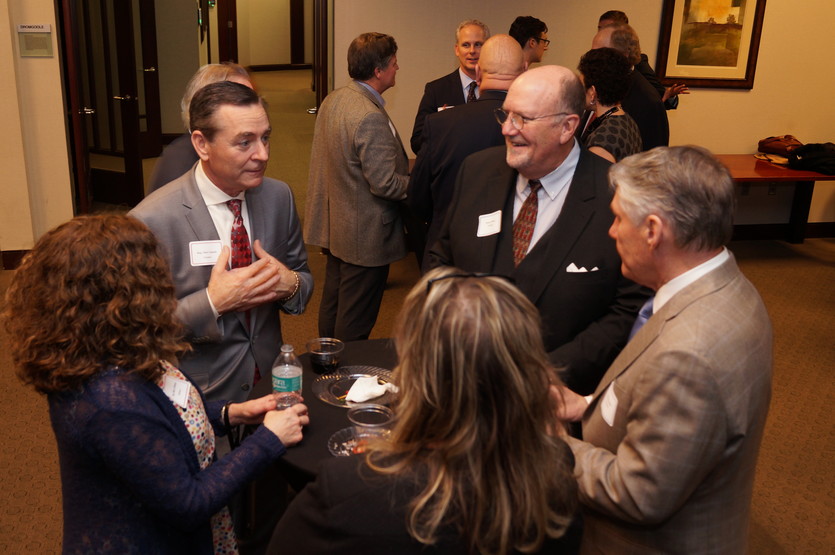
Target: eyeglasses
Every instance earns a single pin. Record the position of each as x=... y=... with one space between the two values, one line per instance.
x=519 y=121
x=467 y=275
x=546 y=41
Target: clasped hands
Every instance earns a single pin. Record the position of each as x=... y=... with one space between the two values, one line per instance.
x=286 y=424
x=240 y=289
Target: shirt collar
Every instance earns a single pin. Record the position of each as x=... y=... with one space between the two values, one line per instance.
x=374 y=93
x=465 y=79
x=209 y=191
x=666 y=291
x=554 y=182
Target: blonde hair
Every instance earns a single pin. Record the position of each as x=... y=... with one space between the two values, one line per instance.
x=475 y=417
x=206 y=75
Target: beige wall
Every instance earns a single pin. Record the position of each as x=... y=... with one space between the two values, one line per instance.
x=792 y=90
x=264 y=32
x=33 y=142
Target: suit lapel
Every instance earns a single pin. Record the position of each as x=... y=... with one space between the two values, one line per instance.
x=196 y=213
x=549 y=256
x=495 y=253
x=654 y=327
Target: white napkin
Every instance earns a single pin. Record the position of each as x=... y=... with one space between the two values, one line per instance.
x=366 y=388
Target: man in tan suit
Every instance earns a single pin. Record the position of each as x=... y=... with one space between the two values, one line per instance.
x=673 y=430
x=358 y=175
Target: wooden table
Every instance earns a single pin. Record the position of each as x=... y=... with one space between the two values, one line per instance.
x=745 y=168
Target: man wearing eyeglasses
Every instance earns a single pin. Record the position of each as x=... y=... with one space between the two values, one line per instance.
x=532 y=35
x=537 y=211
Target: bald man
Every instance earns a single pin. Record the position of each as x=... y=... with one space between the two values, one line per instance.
x=537 y=211
x=641 y=101
x=452 y=135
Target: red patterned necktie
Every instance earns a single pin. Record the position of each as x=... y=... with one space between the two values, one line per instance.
x=525 y=222
x=471 y=92
x=241 y=252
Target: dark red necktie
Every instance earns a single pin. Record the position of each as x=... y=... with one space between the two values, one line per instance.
x=241 y=252
x=525 y=222
x=471 y=92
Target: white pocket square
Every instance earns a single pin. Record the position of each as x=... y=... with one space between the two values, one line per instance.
x=573 y=269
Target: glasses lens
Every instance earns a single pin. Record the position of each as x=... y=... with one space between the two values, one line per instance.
x=501 y=115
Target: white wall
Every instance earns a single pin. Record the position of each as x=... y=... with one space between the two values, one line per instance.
x=792 y=89
x=33 y=145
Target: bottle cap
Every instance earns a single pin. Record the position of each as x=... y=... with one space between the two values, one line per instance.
x=286 y=348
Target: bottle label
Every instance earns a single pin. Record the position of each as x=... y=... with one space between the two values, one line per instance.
x=283 y=384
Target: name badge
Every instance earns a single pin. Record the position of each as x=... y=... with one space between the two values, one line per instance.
x=489 y=224
x=609 y=405
x=204 y=253
x=177 y=390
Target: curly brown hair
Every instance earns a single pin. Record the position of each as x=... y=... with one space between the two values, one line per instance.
x=94 y=292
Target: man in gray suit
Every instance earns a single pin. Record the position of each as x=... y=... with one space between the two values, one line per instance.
x=231 y=315
x=358 y=175
x=673 y=430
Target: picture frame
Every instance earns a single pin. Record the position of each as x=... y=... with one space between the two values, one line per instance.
x=710 y=43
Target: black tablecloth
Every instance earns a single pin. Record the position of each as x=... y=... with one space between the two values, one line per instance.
x=300 y=462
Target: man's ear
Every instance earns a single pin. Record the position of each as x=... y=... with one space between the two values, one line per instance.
x=531 y=44
x=478 y=75
x=654 y=231
x=200 y=144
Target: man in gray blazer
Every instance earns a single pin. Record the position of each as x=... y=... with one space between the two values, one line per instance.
x=358 y=174
x=673 y=430
x=231 y=315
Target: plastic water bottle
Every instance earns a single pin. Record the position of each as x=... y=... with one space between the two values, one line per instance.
x=287 y=378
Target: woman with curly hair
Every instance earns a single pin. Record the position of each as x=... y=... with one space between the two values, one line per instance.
x=612 y=134
x=473 y=464
x=90 y=314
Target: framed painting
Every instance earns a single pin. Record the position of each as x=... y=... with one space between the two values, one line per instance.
x=710 y=43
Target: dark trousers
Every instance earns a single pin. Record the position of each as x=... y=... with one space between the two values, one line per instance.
x=351 y=299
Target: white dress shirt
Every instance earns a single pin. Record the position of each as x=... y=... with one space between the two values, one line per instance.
x=550 y=197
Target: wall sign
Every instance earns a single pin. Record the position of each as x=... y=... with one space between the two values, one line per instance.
x=35 y=40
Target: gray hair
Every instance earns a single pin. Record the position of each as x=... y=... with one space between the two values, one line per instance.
x=206 y=75
x=475 y=22
x=686 y=186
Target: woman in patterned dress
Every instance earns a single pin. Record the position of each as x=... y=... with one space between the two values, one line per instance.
x=90 y=314
x=611 y=133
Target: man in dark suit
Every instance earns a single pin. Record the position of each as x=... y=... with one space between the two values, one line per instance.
x=452 y=135
x=459 y=86
x=671 y=434
x=669 y=95
x=538 y=212
x=230 y=310
x=642 y=101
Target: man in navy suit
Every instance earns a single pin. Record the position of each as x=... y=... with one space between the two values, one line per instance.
x=452 y=135
x=460 y=85
x=566 y=263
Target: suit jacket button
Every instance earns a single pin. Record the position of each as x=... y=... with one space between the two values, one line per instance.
x=245 y=387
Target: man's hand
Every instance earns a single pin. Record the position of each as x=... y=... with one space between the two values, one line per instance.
x=570 y=405
x=674 y=90
x=241 y=289
x=287 y=277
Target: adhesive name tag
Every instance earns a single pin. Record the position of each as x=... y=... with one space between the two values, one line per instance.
x=489 y=224
x=609 y=405
x=177 y=390
x=204 y=253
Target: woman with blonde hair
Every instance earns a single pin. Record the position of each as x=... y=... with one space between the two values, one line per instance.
x=473 y=464
x=90 y=316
